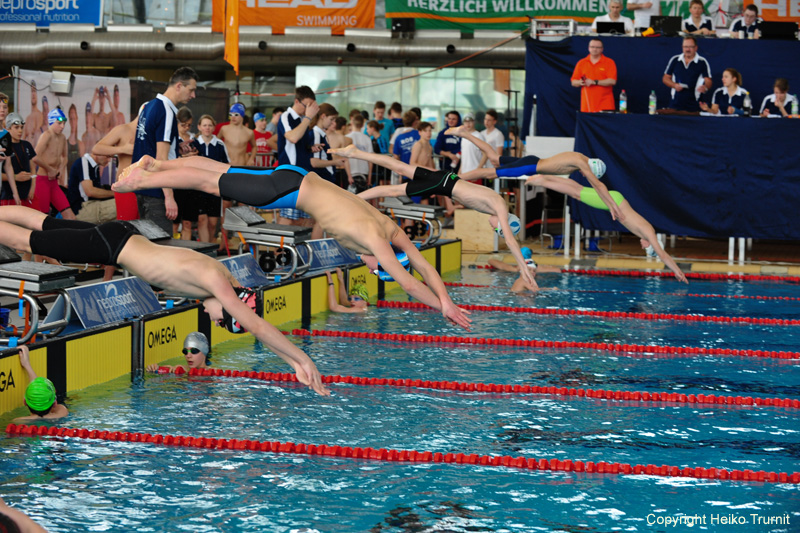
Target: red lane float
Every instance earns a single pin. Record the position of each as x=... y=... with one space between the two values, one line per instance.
x=632 y=350
x=638 y=397
x=605 y=314
x=690 y=275
x=690 y=295
x=410 y=456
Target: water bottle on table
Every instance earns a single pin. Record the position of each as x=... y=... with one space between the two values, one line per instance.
x=623 y=102
x=651 y=106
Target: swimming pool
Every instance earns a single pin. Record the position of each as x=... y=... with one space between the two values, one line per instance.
x=70 y=484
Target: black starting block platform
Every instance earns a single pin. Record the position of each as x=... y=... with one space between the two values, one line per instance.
x=257 y=232
x=427 y=214
x=153 y=233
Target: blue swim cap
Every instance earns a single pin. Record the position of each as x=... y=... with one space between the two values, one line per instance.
x=259 y=116
x=56 y=115
x=402 y=257
x=527 y=253
x=238 y=109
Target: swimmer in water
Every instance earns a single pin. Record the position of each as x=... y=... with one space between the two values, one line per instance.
x=354 y=302
x=179 y=271
x=196 y=352
x=40 y=394
x=443 y=182
x=352 y=221
x=519 y=284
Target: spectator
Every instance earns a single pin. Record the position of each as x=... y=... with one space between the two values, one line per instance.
x=698 y=23
x=449 y=146
x=272 y=127
x=209 y=207
x=689 y=77
x=318 y=140
x=421 y=151
x=396 y=115
x=40 y=394
x=157 y=136
x=360 y=170
x=614 y=10
x=51 y=151
x=471 y=155
x=405 y=137
x=238 y=138
x=293 y=146
x=379 y=146
x=596 y=75
x=19 y=182
x=643 y=10
x=776 y=103
x=379 y=114
x=728 y=99
x=491 y=134
x=87 y=195
x=342 y=302
x=338 y=139
x=184 y=199
x=747 y=24
x=266 y=142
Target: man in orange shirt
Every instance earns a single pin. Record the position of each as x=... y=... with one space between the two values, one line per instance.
x=596 y=75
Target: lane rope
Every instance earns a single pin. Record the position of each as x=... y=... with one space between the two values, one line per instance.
x=605 y=314
x=462 y=386
x=602 y=291
x=618 y=349
x=409 y=456
x=669 y=274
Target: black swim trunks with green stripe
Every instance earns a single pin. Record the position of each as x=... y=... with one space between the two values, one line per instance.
x=428 y=182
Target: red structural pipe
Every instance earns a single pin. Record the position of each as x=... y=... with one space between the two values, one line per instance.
x=410 y=456
x=606 y=314
x=625 y=396
x=618 y=349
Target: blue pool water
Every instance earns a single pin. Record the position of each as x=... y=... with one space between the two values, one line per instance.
x=74 y=485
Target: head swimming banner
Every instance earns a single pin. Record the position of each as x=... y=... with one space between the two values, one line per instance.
x=337 y=15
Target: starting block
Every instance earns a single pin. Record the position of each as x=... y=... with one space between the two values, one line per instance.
x=255 y=231
x=31 y=280
x=427 y=214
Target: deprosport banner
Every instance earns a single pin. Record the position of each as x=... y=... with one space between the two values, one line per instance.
x=45 y=12
x=279 y=14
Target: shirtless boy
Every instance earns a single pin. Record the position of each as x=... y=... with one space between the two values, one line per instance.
x=445 y=183
x=177 y=270
x=51 y=155
x=237 y=137
x=347 y=218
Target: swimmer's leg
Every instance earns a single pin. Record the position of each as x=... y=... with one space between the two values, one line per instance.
x=15 y=237
x=562 y=185
x=384 y=161
x=392 y=191
x=479 y=173
x=485 y=147
x=151 y=164
x=25 y=217
x=187 y=177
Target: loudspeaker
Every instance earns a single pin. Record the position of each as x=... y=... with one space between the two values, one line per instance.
x=405 y=25
x=62 y=82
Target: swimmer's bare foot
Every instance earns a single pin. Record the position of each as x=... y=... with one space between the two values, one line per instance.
x=459 y=131
x=146 y=162
x=348 y=151
x=133 y=181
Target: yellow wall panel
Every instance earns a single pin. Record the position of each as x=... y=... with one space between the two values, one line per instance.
x=98 y=358
x=451 y=256
x=319 y=293
x=163 y=337
x=283 y=304
x=14 y=380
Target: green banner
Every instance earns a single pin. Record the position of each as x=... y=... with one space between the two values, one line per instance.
x=468 y=15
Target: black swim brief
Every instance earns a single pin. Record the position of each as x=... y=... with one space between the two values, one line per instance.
x=265 y=188
x=428 y=182
x=73 y=241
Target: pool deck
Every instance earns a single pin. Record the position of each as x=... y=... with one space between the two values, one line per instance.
x=692 y=255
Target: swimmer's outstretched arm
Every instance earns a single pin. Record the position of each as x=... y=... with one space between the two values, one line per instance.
x=640 y=227
x=384 y=161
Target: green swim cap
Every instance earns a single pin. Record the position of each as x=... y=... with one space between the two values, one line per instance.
x=40 y=394
x=360 y=290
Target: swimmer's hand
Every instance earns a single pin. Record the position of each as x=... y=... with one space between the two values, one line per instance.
x=307 y=374
x=527 y=277
x=456 y=316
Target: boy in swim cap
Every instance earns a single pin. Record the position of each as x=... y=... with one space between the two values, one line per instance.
x=51 y=157
x=355 y=302
x=427 y=182
x=180 y=271
x=195 y=351
x=350 y=220
x=530 y=264
x=40 y=394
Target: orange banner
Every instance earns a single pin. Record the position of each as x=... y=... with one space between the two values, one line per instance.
x=335 y=14
x=780 y=10
x=232 y=34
